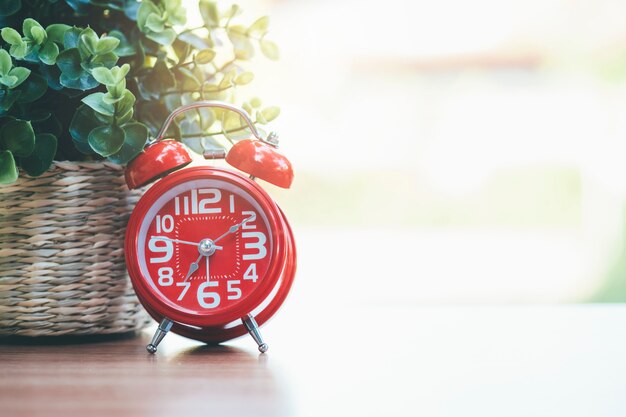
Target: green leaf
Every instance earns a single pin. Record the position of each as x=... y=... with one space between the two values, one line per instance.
x=38 y=34
x=48 y=53
x=259 y=27
x=68 y=62
x=95 y=102
x=164 y=38
x=232 y=121
x=18 y=137
x=37 y=116
x=104 y=119
x=269 y=49
x=110 y=99
x=247 y=107
x=9 y=7
x=39 y=161
x=268 y=114
x=56 y=32
x=104 y=60
x=11 y=36
x=135 y=139
x=241 y=42
x=244 y=78
x=8 y=80
x=32 y=89
x=50 y=125
x=71 y=38
x=117 y=90
x=210 y=13
x=106 y=45
x=155 y=23
x=89 y=39
x=189 y=80
x=19 y=51
x=234 y=11
x=204 y=56
x=176 y=13
x=125 y=104
x=84 y=82
x=5 y=62
x=227 y=81
x=84 y=148
x=7 y=98
x=125 y=48
x=159 y=80
x=33 y=30
x=83 y=123
x=119 y=73
x=125 y=118
x=146 y=9
x=20 y=73
x=207 y=118
x=8 y=170
x=103 y=75
x=106 y=140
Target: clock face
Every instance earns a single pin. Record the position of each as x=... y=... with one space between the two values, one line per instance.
x=204 y=246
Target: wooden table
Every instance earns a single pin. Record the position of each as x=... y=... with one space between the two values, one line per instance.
x=378 y=360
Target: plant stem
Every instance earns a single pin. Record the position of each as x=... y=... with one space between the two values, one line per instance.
x=183 y=65
x=193 y=29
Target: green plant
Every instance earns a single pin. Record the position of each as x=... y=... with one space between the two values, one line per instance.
x=93 y=79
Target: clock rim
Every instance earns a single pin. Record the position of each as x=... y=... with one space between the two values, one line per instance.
x=164 y=306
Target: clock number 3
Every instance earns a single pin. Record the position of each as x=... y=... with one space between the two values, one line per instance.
x=258 y=245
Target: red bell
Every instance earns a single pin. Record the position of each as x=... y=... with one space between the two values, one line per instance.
x=261 y=160
x=156 y=161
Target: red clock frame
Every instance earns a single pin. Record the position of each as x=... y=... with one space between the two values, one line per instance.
x=210 y=327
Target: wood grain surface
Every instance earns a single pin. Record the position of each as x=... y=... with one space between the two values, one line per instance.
x=351 y=360
x=118 y=377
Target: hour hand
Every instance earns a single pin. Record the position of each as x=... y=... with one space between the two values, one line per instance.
x=193 y=268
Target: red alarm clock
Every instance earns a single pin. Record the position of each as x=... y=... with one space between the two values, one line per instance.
x=209 y=253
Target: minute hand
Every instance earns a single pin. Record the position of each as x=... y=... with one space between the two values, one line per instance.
x=232 y=229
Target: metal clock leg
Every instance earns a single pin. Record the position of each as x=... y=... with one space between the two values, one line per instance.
x=164 y=327
x=253 y=329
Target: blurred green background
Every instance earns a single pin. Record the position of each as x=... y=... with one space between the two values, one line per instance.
x=452 y=152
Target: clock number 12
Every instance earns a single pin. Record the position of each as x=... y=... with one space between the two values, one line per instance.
x=195 y=204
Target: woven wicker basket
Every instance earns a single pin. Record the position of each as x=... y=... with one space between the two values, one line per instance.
x=62 y=268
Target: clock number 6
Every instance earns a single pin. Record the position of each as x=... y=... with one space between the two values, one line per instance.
x=203 y=296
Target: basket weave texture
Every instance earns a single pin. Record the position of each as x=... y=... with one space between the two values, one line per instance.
x=62 y=269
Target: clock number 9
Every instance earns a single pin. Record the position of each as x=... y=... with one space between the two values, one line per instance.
x=204 y=295
x=160 y=246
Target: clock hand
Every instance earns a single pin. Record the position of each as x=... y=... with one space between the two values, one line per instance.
x=175 y=240
x=193 y=267
x=208 y=275
x=185 y=242
x=232 y=229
